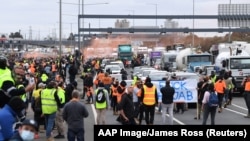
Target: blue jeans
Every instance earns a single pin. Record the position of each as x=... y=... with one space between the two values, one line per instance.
x=49 y=121
x=76 y=133
x=209 y=110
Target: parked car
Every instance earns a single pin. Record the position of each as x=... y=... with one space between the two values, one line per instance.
x=112 y=69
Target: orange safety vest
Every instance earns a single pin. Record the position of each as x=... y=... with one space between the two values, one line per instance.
x=139 y=93
x=220 y=86
x=149 y=95
x=114 y=91
x=32 y=70
x=106 y=80
x=119 y=97
x=100 y=76
x=247 y=86
x=89 y=91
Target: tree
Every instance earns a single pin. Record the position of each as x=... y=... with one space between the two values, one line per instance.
x=15 y=35
x=71 y=37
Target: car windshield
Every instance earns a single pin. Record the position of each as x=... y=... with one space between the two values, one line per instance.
x=115 y=68
x=117 y=63
x=157 y=76
x=117 y=76
x=157 y=61
x=183 y=77
x=145 y=73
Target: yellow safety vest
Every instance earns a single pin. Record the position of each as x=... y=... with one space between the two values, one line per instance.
x=5 y=75
x=149 y=95
x=23 y=96
x=134 y=80
x=61 y=95
x=104 y=104
x=49 y=104
x=213 y=79
x=44 y=77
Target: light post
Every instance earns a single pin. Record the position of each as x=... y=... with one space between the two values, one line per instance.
x=79 y=4
x=229 y=34
x=60 y=29
x=193 y=26
x=133 y=16
x=155 y=4
x=89 y=4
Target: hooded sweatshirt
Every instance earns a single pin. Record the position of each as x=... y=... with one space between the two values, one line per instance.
x=149 y=85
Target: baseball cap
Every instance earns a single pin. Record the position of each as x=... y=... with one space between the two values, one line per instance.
x=30 y=122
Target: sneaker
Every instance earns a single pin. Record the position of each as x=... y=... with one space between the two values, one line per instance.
x=59 y=136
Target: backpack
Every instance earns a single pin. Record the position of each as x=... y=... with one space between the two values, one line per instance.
x=100 y=96
x=213 y=100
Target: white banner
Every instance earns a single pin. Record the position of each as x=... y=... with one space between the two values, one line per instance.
x=185 y=90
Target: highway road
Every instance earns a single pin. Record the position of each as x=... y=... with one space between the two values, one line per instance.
x=232 y=115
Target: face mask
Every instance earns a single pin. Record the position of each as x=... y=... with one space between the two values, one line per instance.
x=27 y=135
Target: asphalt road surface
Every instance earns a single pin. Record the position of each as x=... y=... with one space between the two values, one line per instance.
x=232 y=115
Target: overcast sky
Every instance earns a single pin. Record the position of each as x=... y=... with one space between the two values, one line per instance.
x=42 y=16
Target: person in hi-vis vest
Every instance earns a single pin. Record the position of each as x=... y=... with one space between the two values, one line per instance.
x=101 y=108
x=50 y=101
x=149 y=100
x=9 y=80
x=59 y=118
x=246 y=84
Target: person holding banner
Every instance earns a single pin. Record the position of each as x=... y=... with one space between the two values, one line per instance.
x=202 y=87
x=179 y=105
x=149 y=99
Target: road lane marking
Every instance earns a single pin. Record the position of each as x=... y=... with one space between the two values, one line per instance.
x=94 y=112
x=175 y=119
x=235 y=111
x=239 y=107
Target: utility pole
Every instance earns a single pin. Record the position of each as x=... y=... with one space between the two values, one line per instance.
x=79 y=23
x=60 y=29
x=193 y=26
x=82 y=27
x=229 y=34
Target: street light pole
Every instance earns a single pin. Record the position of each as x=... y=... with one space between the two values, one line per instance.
x=155 y=4
x=79 y=36
x=229 y=34
x=60 y=29
x=193 y=26
x=133 y=16
x=82 y=27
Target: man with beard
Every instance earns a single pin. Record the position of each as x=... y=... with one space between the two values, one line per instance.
x=8 y=84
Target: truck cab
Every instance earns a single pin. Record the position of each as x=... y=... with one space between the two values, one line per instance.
x=196 y=61
x=240 y=68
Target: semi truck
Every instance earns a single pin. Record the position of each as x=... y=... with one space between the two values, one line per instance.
x=168 y=60
x=191 y=60
x=154 y=55
x=125 y=52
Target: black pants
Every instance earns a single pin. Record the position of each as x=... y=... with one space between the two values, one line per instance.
x=247 y=100
x=180 y=106
x=149 y=114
